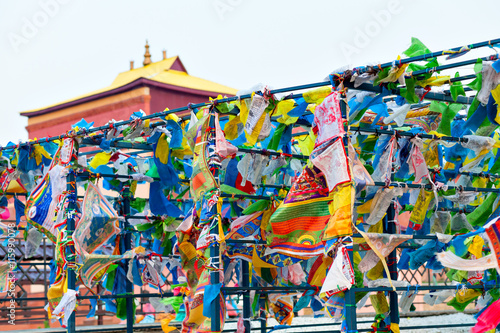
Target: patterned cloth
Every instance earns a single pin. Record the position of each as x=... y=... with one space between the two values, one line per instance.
x=332 y=161
x=340 y=275
x=55 y=294
x=328 y=119
x=202 y=180
x=96 y=263
x=99 y=222
x=299 y=222
x=195 y=320
x=493 y=232
x=41 y=205
x=249 y=227
x=4 y=272
x=385 y=244
x=283 y=311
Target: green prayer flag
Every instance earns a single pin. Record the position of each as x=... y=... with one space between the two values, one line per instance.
x=479 y=216
x=259 y=205
x=275 y=140
x=138 y=204
x=416 y=48
x=121 y=308
x=457 y=89
x=448 y=113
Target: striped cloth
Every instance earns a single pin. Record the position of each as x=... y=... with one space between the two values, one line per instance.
x=202 y=180
x=299 y=222
x=251 y=226
x=96 y=263
x=4 y=272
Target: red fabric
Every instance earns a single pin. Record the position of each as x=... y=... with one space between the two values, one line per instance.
x=248 y=188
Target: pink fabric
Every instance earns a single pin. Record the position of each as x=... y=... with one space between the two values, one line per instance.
x=418 y=165
x=222 y=147
x=240 y=327
x=5 y=215
x=489 y=319
x=296 y=274
x=148 y=308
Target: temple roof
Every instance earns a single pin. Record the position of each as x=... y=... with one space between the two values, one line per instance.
x=167 y=72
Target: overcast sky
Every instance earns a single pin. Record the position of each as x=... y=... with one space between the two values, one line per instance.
x=52 y=50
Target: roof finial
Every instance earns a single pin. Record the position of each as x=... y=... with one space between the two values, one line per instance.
x=147 y=55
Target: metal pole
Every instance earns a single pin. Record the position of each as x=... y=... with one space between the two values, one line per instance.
x=350 y=303
x=214 y=247
x=99 y=307
x=70 y=228
x=45 y=277
x=390 y=227
x=245 y=283
x=129 y=287
x=350 y=296
x=263 y=318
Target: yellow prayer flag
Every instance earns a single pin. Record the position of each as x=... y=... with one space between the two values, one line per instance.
x=100 y=159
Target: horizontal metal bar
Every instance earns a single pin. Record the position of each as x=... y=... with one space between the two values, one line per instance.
x=429 y=187
x=407 y=134
x=419 y=288
x=166 y=294
x=242 y=241
x=431 y=55
x=272 y=153
x=245 y=196
x=453 y=65
x=119 y=144
x=277 y=288
x=418 y=327
x=296 y=326
x=397 y=91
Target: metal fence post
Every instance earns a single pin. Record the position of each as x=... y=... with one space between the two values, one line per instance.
x=263 y=318
x=214 y=247
x=350 y=295
x=70 y=228
x=129 y=287
x=245 y=271
x=390 y=227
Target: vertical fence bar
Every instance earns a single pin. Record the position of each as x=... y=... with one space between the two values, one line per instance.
x=214 y=247
x=245 y=283
x=263 y=318
x=100 y=307
x=129 y=287
x=350 y=296
x=350 y=304
x=45 y=277
x=390 y=227
x=70 y=228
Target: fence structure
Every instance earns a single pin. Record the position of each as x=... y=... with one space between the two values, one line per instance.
x=304 y=190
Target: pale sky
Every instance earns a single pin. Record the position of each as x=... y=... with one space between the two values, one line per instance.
x=52 y=50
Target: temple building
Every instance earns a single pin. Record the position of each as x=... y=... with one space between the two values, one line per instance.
x=152 y=88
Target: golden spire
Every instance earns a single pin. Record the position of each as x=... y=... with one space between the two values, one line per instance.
x=147 y=55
